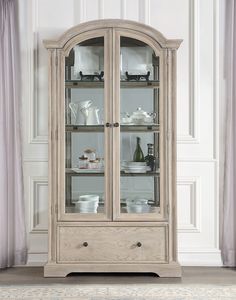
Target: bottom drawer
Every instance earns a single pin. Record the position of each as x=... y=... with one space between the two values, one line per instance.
x=112 y=244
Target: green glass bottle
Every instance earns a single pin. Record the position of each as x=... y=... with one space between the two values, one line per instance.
x=138 y=153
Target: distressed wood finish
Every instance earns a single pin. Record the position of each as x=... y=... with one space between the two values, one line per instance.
x=113 y=23
x=112 y=236
x=112 y=244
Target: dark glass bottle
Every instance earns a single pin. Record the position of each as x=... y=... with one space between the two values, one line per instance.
x=150 y=158
x=138 y=153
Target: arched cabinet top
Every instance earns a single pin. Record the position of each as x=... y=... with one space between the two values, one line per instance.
x=113 y=23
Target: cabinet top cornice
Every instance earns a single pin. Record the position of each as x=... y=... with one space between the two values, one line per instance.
x=113 y=23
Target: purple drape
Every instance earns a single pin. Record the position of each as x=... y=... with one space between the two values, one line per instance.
x=12 y=223
x=228 y=230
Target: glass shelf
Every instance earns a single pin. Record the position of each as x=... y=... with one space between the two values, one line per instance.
x=93 y=172
x=123 y=128
x=100 y=84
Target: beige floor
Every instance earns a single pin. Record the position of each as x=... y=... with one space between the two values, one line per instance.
x=192 y=275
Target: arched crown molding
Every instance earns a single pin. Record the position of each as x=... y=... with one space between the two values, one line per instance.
x=113 y=23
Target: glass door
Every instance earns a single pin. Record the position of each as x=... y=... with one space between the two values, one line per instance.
x=139 y=168
x=86 y=138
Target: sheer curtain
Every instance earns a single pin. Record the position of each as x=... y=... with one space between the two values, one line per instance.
x=228 y=230
x=12 y=225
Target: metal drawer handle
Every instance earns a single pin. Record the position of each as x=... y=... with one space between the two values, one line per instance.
x=85 y=244
x=139 y=244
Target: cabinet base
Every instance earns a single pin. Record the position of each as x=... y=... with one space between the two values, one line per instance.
x=172 y=269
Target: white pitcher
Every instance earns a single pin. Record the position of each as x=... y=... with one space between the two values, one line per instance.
x=93 y=116
x=80 y=111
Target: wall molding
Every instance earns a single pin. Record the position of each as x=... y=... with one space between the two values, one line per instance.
x=144 y=11
x=216 y=115
x=34 y=136
x=101 y=9
x=123 y=11
x=35 y=183
x=193 y=131
x=194 y=184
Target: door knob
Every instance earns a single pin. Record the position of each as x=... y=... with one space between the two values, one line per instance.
x=108 y=125
x=139 y=244
x=116 y=124
x=85 y=244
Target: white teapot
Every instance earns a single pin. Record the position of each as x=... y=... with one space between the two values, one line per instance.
x=142 y=117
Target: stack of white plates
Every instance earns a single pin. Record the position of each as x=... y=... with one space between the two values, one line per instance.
x=135 y=167
x=87 y=204
x=137 y=206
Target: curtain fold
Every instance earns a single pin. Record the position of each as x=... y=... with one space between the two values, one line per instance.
x=12 y=223
x=228 y=230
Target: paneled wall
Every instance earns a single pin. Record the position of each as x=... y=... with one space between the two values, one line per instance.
x=194 y=21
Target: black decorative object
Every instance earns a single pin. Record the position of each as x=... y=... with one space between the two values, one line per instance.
x=91 y=77
x=137 y=77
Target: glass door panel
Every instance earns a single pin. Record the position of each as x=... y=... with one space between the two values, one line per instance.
x=85 y=110
x=139 y=130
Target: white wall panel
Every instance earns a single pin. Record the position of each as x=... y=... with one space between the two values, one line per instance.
x=194 y=21
x=112 y=9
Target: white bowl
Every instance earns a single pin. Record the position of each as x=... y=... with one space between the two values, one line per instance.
x=138 y=208
x=136 y=201
x=84 y=211
x=89 y=198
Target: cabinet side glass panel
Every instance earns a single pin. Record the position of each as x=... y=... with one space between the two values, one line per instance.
x=140 y=128
x=84 y=129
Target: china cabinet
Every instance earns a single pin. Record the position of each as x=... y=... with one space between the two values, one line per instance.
x=112 y=150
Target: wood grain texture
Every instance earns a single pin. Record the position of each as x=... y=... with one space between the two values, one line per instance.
x=112 y=237
x=113 y=23
x=163 y=270
x=112 y=244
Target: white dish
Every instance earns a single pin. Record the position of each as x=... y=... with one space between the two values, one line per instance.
x=135 y=164
x=77 y=170
x=136 y=168
x=87 y=211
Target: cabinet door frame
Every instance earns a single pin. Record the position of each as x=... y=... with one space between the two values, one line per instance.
x=159 y=51
x=61 y=54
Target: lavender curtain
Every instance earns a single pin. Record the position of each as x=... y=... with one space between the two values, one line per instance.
x=228 y=230
x=12 y=227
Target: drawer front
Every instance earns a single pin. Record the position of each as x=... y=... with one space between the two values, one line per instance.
x=112 y=244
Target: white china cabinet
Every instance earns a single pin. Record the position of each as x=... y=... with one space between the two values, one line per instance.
x=112 y=150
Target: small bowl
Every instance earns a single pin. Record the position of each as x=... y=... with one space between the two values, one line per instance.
x=136 y=201
x=89 y=198
x=138 y=208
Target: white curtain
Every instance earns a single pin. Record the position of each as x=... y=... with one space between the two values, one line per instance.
x=12 y=225
x=228 y=170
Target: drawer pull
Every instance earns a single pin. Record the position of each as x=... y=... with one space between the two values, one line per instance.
x=85 y=244
x=139 y=244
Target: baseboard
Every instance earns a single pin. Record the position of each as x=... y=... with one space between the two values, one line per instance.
x=37 y=259
x=202 y=257
x=207 y=257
